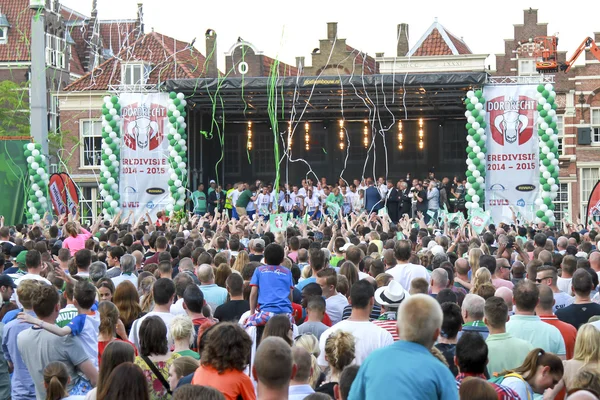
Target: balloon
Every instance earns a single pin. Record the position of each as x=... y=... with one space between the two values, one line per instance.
x=544 y=207
x=476 y=173
x=549 y=213
x=538 y=202
x=475 y=199
x=539 y=213
x=476 y=125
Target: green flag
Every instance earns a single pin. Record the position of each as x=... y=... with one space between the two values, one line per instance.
x=399 y=236
x=333 y=209
x=278 y=222
x=478 y=219
x=382 y=212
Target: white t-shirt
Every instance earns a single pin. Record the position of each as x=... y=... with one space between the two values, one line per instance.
x=561 y=300
x=335 y=307
x=134 y=334
x=234 y=195
x=368 y=336
x=311 y=204
x=564 y=284
x=14 y=296
x=263 y=201
x=405 y=273
x=523 y=389
x=117 y=280
x=177 y=308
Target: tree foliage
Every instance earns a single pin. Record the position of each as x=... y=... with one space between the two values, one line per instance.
x=14 y=109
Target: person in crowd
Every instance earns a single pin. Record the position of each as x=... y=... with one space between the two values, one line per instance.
x=391 y=369
x=127 y=271
x=193 y=392
x=526 y=325
x=277 y=284
x=315 y=311
x=154 y=357
x=273 y=369
x=389 y=298
x=310 y=343
x=567 y=267
x=472 y=313
x=335 y=302
x=300 y=384
x=106 y=289
x=126 y=382
x=111 y=328
x=544 y=311
x=127 y=301
x=213 y=294
x=233 y=309
x=369 y=336
x=77 y=236
x=405 y=272
x=583 y=308
x=448 y=338
x=587 y=355
x=115 y=353
x=181 y=367
x=477 y=388
x=471 y=359
x=56 y=378
x=224 y=359
x=38 y=347
x=114 y=261
x=540 y=371
x=504 y=351
x=182 y=334
x=501 y=274
x=340 y=351
x=548 y=275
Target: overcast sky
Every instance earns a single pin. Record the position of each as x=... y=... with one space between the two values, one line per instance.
x=287 y=29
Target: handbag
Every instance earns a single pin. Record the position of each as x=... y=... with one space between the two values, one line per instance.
x=158 y=375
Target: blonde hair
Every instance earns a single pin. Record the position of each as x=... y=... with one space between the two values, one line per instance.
x=146 y=288
x=480 y=278
x=419 y=317
x=340 y=350
x=474 y=256
x=306 y=271
x=181 y=327
x=587 y=344
x=240 y=261
x=310 y=343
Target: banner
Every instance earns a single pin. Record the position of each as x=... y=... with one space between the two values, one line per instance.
x=512 y=159
x=478 y=219
x=278 y=222
x=71 y=194
x=143 y=180
x=56 y=190
x=593 y=206
x=14 y=179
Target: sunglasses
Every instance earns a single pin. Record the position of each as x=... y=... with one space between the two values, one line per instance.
x=541 y=279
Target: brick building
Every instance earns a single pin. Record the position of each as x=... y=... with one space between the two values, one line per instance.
x=578 y=100
x=139 y=67
x=243 y=58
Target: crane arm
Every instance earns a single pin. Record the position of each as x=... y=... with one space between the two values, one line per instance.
x=588 y=42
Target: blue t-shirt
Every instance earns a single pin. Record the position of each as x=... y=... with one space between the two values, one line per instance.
x=310 y=279
x=406 y=369
x=274 y=285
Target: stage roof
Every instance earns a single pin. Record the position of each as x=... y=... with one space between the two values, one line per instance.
x=410 y=96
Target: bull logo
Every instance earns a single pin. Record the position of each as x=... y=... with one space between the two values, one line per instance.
x=511 y=119
x=142 y=130
x=143 y=126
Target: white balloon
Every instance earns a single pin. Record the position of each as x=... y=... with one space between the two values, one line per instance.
x=545 y=150
x=178 y=183
x=180 y=202
x=114 y=204
x=474 y=100
x=475 y=199
x=108 y=129
x=472 y=168
x=35 y=165
x=546 y=174
x=110 y=180
x=484 y=137
x=32 y=210
x=470 y=94
x=553 y=195
x=106 y=99
x=470 y=119
x=476 y=173
x=551 y=181
x=113 y=111
x=108 y=198
x=472 y=143
x=109 y=105
x=468 y=205
x=476 y=149
x=481 y=131
x=181 y=142
x=543 y=169
x=30 y=159
x=554 y=162
x=35 y=187
x=115 y=164
x=480 y=180
x=544 y=126
x=176 y=113
x=542 y=101
x=178 y=159
x=482 y=112
x=30 y=146
x=180 y=96
x=184 y=147
x=539 y=202
x=548 y=87
x=551 y=156
x=36 y=217
x=112 y=135
x=547 y=106
x=115 y=187
x=181 y=190
x=554 y=137
x=183 y=125
x=481 y=156
x=545 y=194
x=169 y=207
x=181 y=165
x=39 y=193
x=543 y=207
x=40 y=171
x=554 y=188
x=173 y=177
x=30 y=204
x=471 y=191
x=552 y=113
x=475 y=124
x=183 y=171
x=173 y=153
x=479 y=106
x=177 y=136
x=112 y=157
x=549 y=213
x=108 y=150
x=180 y=119
x=549 y=131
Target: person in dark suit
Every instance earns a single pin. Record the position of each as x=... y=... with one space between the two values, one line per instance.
x=373 y=201
x=421 y=197
x=404 y=199
x=216 y=200
x=393 y=201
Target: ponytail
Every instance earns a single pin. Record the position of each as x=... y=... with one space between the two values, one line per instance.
x=535 y=358
x=56 y=379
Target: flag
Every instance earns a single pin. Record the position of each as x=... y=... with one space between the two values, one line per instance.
x=399 y=236
x=278 y=222
x=478 y=219
x=333 y=209
x=382 y=212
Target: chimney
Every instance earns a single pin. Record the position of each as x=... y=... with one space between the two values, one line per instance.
x=402 y=44
x=300 y=63
x=331 y=30
x=211 y=70
x=139 y=22
x=530 y=17
x=379 y=55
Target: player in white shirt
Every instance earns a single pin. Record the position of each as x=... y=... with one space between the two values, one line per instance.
x=312 y=205
x=263 y=202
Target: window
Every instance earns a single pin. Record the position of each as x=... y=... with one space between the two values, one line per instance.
x=595 y=125
x=55 y=51
x=53 y=115
x=356 y=150
x=262 y=153
x=232 y=154
x=3 y=34
x=90 y=204
x=527 y=67
x=587 y=178
x=561 y=203
x=135 y=74
x=91 y=143
x=410 y=144
x=454 y=142
x=560 y=132
x=317 y=151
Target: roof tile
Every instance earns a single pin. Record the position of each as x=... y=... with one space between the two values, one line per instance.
x=19 y=17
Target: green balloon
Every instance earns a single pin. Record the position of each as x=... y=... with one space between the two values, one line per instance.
x=545 y=93
x=111 y=169
x=546 y=187
x=172 y=119
x=478 y=93
x=110 y=210
x=172 y=142
x=113 y=124
x=38 y=146
x=546 y=219
x=554 y=106
x=539 y=213
x=555 y=176
x=481 y=168
x=176 y=102
x=184 y=136
x=543 y=156
x=468 y=197
x=27 y=153
x=107 y=187
x=548 y=119
x=177 y=148
x=545 y=137
x=183 y=114
x=472 y=155
x=170 y=182
x=480 y=193
x=551 y=168
x=472 y=131
x=114 y=99
x=481 y=144
x=479 y=120
x=546 y=162
x=541 y=88
x=470 y=106
x=469 y=173
x=471 y=179
x=181 y=131
x=117 y=106
x=116 y=196
x=550 y=100
x=475 y=113
x=108 y=140
x=543 y=180
x=540 y=107
x=177 y=208
x=105 y=111
x=476 y=161
x=468 y=126
x=550 y=143
x=476 y=137
x=543 y=113
x=547 y=201
x=177 y=171
x=469 y=149
x=173 y=189
x=172 y=95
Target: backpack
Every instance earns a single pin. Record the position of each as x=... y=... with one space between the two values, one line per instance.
x=497 y=379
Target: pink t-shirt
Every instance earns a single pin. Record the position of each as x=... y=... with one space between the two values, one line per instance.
x=498 y=282
x=76 y=243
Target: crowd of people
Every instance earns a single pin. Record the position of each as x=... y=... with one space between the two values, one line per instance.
x=362 y=305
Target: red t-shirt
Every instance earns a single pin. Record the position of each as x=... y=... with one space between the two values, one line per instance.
x=568 y=332
x=298 y=312
x=102 y=346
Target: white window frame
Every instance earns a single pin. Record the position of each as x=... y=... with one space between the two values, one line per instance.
x=94 y=203
x=560 y=132
x=4 y=35
x=558 y=202
x=529 y=72
x=144 y=72
x=595 y=125
x=585 y=194
x=82 y=137
x=55 y=51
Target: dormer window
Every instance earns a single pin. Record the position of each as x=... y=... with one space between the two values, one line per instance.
x=4 y=25
x=135 y=74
